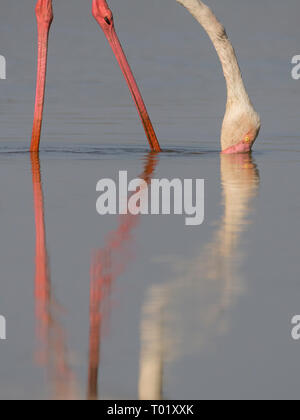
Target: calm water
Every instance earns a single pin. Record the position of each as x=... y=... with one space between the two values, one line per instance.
x=174 y=312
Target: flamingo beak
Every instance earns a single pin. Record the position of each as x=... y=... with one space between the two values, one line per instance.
x=104 y=18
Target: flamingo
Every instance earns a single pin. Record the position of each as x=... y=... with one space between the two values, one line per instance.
x=104 y=16
x=241 y=124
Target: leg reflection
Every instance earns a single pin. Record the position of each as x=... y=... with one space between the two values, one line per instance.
x=108 y=264
x=52 y=352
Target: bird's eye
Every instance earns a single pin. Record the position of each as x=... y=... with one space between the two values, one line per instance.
x=107 y=20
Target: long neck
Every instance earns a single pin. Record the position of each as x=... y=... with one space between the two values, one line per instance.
x=216 y=31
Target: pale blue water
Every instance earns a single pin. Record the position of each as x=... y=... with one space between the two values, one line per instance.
x=211 y=304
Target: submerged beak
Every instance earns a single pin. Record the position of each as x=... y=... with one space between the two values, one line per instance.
x=107 y=25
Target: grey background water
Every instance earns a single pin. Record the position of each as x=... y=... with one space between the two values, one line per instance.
x=227 y=289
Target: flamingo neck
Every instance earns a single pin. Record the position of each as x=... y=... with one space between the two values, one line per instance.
x=203 y=14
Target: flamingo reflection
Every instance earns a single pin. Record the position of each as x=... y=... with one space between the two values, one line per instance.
x=209 y=281
x=50 y=333
x=108 y=264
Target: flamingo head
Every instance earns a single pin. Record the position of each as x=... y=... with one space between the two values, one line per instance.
x=240 y=130
x=44 y=12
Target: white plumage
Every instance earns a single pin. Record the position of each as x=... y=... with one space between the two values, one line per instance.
x=241 y=123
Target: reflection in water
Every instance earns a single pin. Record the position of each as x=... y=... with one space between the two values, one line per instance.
x=210 y=282
x=52 y=352
x=108 y=264
x=153 y=345
x=42 y=277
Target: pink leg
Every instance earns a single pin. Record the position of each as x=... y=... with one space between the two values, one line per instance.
x=104 y=17
x=44 y=15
